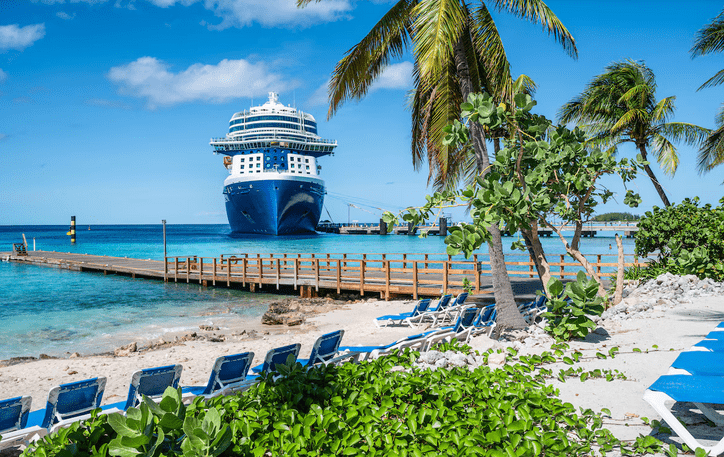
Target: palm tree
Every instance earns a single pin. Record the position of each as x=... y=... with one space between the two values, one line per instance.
x=620 y=106
x=711 y=39
x=457 y=52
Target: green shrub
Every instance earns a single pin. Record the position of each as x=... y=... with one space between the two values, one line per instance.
x=355 y=409
x=686 y=238
x=568 y=313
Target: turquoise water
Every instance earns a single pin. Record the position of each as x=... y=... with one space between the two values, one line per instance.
x=52 y=311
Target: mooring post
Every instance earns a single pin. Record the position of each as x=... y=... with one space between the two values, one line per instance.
x=443 y=227
x=165 y=261
x=72 y=229
x=383 y=227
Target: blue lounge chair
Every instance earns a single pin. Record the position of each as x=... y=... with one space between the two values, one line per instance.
x=446 y=310
x=485 y=322
x=699 y=363
x=325 y=350
x=71 y=402
x=700 y=390
x=420 y=308
x=371 y=352
x=715 y=335
x=151 y=382
x=531 y=310
x=460 y=331
x=277 y=356
x=443 y=303
x=13 y=423
x=709 y=345
x=228 y=375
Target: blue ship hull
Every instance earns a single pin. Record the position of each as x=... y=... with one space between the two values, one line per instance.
x=274 y=206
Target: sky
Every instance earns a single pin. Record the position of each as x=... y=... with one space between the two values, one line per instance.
x=107 y=106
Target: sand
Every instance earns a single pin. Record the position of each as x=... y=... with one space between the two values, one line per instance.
x=673 y=331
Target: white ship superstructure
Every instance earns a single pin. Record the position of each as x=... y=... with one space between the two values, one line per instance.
x=271 y=153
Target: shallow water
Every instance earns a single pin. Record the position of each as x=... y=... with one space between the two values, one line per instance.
x=52 y=311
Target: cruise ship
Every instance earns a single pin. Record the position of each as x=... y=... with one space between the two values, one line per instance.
x=271 y=153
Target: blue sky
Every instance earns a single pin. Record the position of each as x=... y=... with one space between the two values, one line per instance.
x=107 y=106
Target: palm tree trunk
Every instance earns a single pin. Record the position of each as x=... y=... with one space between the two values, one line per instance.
x=650 y=172
x=507 y=310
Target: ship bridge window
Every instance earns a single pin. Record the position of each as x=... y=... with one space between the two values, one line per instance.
x=258 y=165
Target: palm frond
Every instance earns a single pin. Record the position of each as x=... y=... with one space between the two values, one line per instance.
x=538 y=12
x=629 y=119
x=715 y=80
x=711 y=153
x=388 y=40
x=691 y=134
x=437 y=27
x=495 y=72
x=524 y=84
x=710 y=38
x=663 y=110
x=665 y=154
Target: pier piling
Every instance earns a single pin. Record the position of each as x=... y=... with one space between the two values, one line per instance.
x=72 y=229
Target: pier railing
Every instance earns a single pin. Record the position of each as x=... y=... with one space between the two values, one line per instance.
x=388 y=274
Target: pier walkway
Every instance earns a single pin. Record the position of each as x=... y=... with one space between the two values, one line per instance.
x=387 y=274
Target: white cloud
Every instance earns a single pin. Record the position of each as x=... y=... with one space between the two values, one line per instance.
x=151 y=79
x=107 y=103
x=275 y=13
x=15 y=37
x=54 y=2
x=3 y=76
x=319 y=97
x=65 y=16
x=395 y=76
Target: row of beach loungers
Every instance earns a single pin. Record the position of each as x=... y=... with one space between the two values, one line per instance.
x=696 y=376
x=74 y=401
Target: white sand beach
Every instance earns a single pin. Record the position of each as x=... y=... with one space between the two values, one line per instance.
x=672 y=329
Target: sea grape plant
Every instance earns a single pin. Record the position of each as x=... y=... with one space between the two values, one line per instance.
x=687 y=239
x=542 y=172
x=570 y=308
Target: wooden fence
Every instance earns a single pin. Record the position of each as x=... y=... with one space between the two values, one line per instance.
x=388 y=274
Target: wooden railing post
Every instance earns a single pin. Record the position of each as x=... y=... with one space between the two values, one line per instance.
x=165 y=269
x=598 y=267
x=425 y=261
x=404 y=261
x=228 y=272
x=260 y=261
x=387 y=279
x=278 y=273
x=296 y=272
x=201 y=268
x=188 y=269
x=316 y=274
x=213 y=271
x=243 y=271
x=444 y=277
x=175 y=271
x=563 y=267
x=414 y=280
x=362 y=275
x=339 y=276
x=530 y=266
x=477 y=276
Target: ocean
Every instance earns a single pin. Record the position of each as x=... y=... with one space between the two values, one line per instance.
x=56 y=312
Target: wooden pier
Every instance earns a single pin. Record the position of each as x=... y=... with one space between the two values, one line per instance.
x=387 y=274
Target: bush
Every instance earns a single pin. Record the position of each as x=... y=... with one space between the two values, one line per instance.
x=353 y=409
x=686 y=238
x=568 y=313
